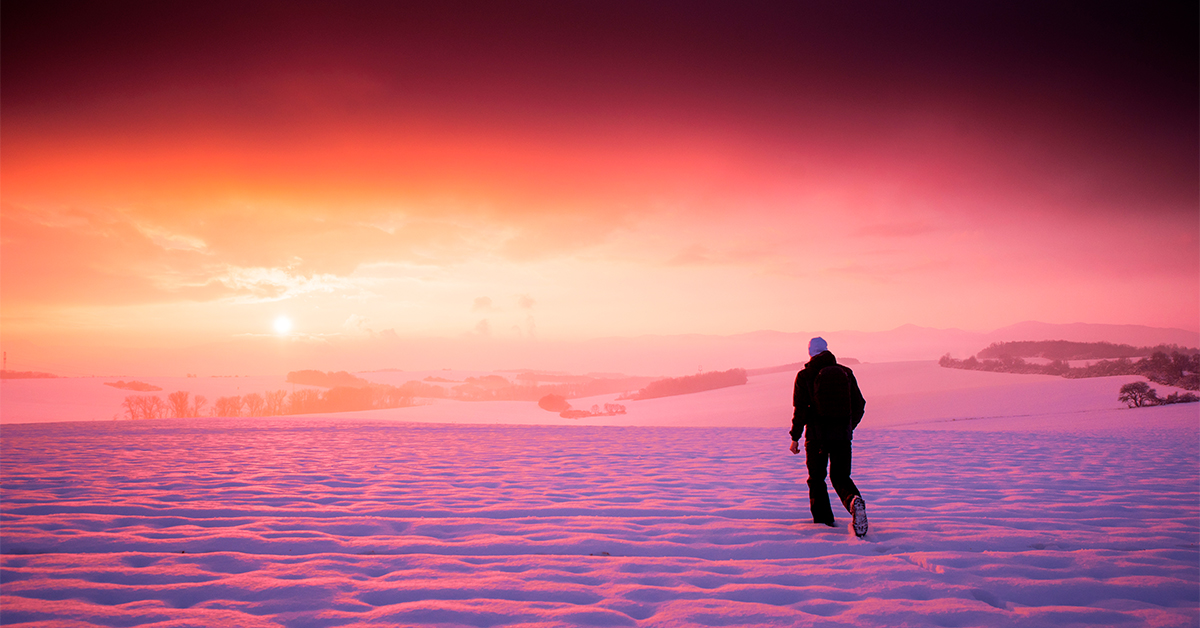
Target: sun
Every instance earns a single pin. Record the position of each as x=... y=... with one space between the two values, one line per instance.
x=283 y=325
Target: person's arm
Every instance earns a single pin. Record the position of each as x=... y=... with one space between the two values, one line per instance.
x=799 y=413
x=858 y=405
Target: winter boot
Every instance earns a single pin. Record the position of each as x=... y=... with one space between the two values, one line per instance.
x=858 y=510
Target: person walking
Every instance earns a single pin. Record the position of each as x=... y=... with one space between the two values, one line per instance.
x=828 y=406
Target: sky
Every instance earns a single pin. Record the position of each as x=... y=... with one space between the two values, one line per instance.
x=186 y=175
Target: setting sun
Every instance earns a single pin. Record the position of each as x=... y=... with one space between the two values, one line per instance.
x=283 y=325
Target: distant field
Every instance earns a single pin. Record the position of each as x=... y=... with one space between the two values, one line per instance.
x=898 y=393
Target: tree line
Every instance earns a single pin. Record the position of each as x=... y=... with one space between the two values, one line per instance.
x=559 y=404
x=181 y=404
x=1068 y=350
x=363 y=395
x=687 y=384
x=499 y=388
x=1140 y=395
x=6 y=374
x=349 y=393
x=1178 y=369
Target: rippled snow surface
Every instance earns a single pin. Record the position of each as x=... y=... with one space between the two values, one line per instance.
x=261 y=522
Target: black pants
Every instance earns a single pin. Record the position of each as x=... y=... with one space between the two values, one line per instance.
x=836 y=454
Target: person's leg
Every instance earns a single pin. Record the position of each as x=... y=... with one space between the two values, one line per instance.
x=816 y=457
x=839 y=473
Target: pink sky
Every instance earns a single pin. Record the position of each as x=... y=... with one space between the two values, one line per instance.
x=178 y=176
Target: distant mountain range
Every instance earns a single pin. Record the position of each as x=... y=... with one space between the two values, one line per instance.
x=909 y=342
x=650 y=355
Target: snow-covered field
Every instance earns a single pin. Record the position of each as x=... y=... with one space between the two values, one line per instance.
x=1000 y=500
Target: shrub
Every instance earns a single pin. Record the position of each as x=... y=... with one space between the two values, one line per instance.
x=554 y=403
x=1139 y=394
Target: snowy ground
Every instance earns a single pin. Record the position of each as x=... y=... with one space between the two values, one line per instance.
x=1055 y=508
x=318 y=522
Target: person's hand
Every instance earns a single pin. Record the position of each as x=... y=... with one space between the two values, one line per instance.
x=795 y=448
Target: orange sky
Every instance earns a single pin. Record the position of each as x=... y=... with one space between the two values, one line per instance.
x=176 y=176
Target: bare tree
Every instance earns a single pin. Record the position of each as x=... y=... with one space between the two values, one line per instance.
x=304 y=401
x=144 y=406
x=178 y=402
x=276 y=402
x=228 y=406
x=133 y=406
x=198 y=405
x=254 y=404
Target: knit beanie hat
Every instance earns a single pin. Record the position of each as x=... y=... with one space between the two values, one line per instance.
x=817 y=345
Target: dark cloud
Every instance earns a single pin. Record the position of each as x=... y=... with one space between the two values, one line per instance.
x=1101 y=94
x=1134 y=62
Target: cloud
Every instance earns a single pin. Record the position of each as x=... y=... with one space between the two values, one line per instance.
x=78 y=256
x=273 y=284
x=525 y=302
x=483 y=304
x=357 y=324
x=482 y=328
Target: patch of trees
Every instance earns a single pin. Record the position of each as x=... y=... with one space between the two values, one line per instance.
x=1178 y=369
x=131 y=385
x=559 y=404
x=554 y=403
x=484 y=387
x=1140 y=395
x=672 y=386
x=421 y=389
x=498 y=388
x=326 y=380
x=1066 y=350
x=793 y=367
x=6 y=374
x=143 y=406
x=271 y=403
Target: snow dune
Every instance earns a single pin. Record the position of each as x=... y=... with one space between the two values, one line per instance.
x=1074 y=518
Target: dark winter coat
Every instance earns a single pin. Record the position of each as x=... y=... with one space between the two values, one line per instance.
x=823 y=429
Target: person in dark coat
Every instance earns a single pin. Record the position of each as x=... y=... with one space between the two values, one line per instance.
x=827 y=436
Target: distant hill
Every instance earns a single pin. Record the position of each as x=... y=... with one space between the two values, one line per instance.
x=1136 y=335
x=133 y=385
x=684 y=353
x=1067 y=350
x=794 y=366
x=688 y=384
x=4 y=374
x=651 y=356
x=326 y=380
